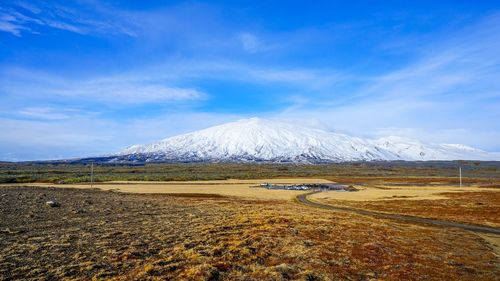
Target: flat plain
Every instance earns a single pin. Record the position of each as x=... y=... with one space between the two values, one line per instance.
x=229 y=229
x=249 y=189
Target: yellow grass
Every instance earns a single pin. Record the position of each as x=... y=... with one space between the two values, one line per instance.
x=231 y=187
x=391 y=192
x=232 y=181
x=248 y=189
x=494 y=242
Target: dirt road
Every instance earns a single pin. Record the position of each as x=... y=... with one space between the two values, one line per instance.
x=302 y=198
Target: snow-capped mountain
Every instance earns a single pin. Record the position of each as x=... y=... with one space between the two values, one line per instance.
x=262 y=140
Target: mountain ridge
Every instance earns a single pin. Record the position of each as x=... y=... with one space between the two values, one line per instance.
x=263 y=140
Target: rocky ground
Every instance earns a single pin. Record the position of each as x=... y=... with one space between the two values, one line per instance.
x=110 y=235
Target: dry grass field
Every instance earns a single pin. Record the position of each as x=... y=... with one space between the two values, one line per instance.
x=471 y=204
x=111 y=235
x=240 y=188
x=384 y=192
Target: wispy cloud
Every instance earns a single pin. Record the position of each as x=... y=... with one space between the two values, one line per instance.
x=448 y=94
x=179 y=58
x=11 y=27
x=53 y=113
x=126 y=89
x=250 y=42
x=15 y=23
x=163 y=82
x=125 y=92
x=463 y=64
x=319 y=79
x=23 y=17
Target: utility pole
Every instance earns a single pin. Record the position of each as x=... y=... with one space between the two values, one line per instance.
x=460 y=173
x=92 y=174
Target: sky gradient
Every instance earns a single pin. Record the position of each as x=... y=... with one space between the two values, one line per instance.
x=88 y=78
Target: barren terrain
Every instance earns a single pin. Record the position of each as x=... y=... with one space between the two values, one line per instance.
x=105 y=234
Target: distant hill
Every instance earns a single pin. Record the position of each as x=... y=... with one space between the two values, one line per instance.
x=268 y=141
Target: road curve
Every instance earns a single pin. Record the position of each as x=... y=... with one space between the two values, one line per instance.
x=302 y=198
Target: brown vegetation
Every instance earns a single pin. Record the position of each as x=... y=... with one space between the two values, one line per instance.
x=352 y=173
x=476 y=207
x=110 y=235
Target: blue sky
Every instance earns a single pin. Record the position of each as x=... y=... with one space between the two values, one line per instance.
x=91 y=77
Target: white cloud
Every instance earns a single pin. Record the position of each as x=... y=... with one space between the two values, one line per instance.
x=307 y=78
x=64 y=26
x=53 y=113
x=13 y=23
x=121 y=89
x=449 y=94
x=125 y=92
x=30 y=7
x=11 y=27
x=16 y=21
x=464 y=63
x=250 y=42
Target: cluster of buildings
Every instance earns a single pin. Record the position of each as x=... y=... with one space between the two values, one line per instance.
x=286 y=187
x=314 y=186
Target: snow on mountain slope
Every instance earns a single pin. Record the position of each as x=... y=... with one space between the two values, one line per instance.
x=411 y=149
x=258 y=139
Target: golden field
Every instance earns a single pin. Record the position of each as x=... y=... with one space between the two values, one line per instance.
x=380 y=192
x=232 y=187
